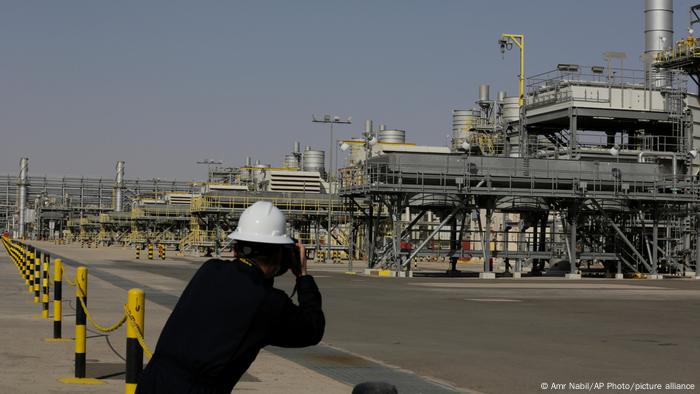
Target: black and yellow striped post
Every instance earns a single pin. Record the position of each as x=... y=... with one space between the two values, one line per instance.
x=57 y=297
x=161 y=251
x=45 y=289
x=150 y=251
x=30 y=271
x=81 y=283
x=37 y=277
x=25 y=260
x=138 y=252
x=136 y=305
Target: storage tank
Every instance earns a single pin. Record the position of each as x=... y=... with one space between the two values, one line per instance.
x=291 y=161
x=511 y=109
x=463 y=120
x=392 y=136
x=314 y=160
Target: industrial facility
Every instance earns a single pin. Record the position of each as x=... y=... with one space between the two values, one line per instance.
x=586 y=170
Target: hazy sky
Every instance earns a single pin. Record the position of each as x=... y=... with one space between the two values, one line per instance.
x=163 y=84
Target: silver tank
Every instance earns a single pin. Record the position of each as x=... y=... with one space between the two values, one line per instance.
x=511 y=109
x=484 y=94
x=463 y=120
x=658 y=25
x=291 y=161
x=314 y=160
x=392 y=136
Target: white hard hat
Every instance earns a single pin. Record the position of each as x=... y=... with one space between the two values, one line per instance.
x=262 y=222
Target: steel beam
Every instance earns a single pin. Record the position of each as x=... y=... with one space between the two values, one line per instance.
x=437 y=229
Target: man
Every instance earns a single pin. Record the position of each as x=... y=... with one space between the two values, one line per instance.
x=229 y=311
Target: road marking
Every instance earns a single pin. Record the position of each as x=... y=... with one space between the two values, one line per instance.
x=491 y=300
x=601 y=286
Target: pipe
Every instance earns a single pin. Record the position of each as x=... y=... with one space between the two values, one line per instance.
x=22 y=203
x=119 y=186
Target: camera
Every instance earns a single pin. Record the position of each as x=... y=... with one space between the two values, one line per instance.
x=291 y=259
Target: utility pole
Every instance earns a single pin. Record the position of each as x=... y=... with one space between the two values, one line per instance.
x=330 y=120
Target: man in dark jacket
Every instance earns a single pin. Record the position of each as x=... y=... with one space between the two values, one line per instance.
x=229 y=311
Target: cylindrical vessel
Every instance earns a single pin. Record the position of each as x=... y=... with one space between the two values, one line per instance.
x=22 y=203
x=463 y=121
x=392 y=136
x=511 y=109
x=291 y=161
x=314 y=160
x=368 y=126
x=658 y=25
x=501 y=96
x=484 y=94
x=297 y=147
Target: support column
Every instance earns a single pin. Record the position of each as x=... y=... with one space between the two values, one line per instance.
x=655 y=245
x=573 y=132
x=697 y=247
x=369 y=234
x=453 y=246
x=573 y=213
x=488 y=272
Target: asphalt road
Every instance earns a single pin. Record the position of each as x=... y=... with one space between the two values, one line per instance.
x=507 y=336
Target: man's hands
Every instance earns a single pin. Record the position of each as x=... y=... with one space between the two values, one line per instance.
x=299 y=268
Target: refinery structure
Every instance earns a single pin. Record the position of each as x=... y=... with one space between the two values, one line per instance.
x=588 y=169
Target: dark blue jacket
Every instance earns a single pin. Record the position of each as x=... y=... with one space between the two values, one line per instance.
x=225 y=315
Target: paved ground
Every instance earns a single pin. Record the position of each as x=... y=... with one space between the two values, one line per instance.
x=500 y=336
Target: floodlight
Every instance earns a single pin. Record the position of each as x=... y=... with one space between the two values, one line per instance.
x=344 y=146
x=465 y=146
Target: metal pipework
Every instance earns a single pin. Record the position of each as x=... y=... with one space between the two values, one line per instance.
x=22 y=203
x=119 y=186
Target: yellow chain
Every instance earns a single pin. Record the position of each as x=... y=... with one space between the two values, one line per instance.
x=70 y=283
x=139 y=334
x=93 y=322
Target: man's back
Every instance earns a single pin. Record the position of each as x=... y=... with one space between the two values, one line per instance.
x=226 y=314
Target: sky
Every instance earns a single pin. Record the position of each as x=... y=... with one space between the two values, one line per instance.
x=164 y=84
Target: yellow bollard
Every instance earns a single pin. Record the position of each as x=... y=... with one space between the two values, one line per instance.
x=37 y=276
x=30 y=271
x=57 y=297
x=136 y=305
x=150 y=251
x=81 y=283
x=45 y=290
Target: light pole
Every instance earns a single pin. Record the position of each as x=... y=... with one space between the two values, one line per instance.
x=330 y=120
x=209 y=163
